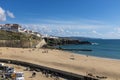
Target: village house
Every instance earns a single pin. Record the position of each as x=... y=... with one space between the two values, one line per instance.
x=10 y=27
x=17 y=28
x=37 y=34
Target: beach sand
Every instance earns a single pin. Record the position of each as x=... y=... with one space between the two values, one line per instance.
x=80 y=64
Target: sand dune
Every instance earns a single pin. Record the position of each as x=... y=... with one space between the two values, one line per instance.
x=80 y=64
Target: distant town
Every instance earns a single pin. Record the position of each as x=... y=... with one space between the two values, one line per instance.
x=19 y=28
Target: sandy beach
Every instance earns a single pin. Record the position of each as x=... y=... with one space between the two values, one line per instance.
x=80 y=64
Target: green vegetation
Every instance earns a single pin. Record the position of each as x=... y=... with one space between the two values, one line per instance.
x=17 y=39
x=7 y=35
x=53 y=42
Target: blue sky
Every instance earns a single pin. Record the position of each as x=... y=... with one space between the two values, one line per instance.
x=87 y=18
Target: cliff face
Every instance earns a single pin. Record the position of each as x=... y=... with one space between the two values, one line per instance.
x=62 y=41
x=20 y=40
x=19 y=43
x=15 y=39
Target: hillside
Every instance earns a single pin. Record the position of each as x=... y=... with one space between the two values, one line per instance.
x=8 y=35
x=17 y=39
x=53 y=42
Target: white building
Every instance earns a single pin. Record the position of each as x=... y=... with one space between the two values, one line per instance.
x=17 y=28
x=10 y=27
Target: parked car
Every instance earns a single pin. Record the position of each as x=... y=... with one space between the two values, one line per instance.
x=19 y=76
x=10 y=70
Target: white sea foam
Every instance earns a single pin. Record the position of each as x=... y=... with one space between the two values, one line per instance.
x=95 y=43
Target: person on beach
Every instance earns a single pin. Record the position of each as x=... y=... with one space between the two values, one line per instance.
x=33 y=74
x=13 y=76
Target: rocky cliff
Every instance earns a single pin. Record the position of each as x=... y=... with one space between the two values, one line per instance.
x=62 y=41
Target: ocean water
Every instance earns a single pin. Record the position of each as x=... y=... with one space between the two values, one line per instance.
x=106 y=48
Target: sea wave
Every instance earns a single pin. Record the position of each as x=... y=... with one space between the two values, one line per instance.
x=95 y=43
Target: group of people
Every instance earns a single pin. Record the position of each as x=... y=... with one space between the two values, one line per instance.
x=47 y=73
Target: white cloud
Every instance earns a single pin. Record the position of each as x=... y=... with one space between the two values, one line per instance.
x=10 y=14
x=111 y=35
x=59 y=30
x=58 y=21
x=71 y=22
x=117 y=29
x=79 y=30
x=97 y=33
x=94 y=32
x=2 y=14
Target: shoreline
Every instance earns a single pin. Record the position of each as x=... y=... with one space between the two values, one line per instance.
x=105 y=58
x=95 y=56
x=66 y=61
